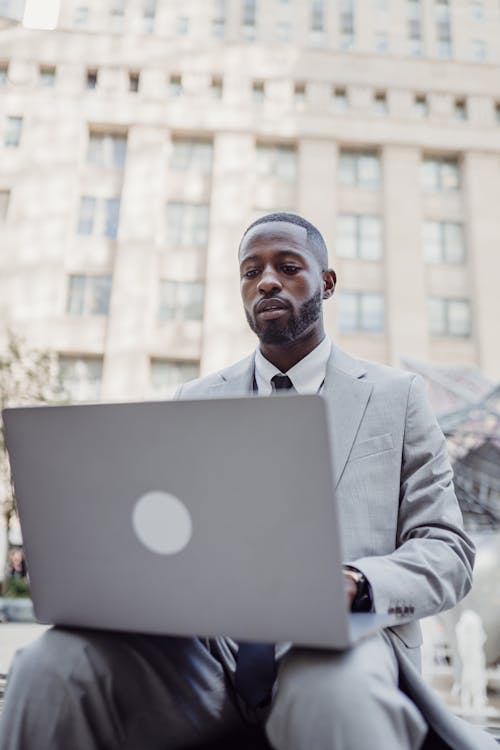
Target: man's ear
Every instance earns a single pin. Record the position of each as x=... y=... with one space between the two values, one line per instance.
x=329 y=281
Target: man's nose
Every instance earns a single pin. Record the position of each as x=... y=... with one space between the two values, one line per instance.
x=269 y=281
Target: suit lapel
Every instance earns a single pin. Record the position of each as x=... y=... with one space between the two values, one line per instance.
x=346 y=393
x=347 y=396
x=236 y=380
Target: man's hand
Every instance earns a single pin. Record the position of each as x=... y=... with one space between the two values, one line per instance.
x=350 y=587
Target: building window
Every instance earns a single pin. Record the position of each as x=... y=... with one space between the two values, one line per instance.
x=476 y=8
x=81 y=16
x=13 y=131
x=380 y=103
x=248 y=12
x=299 y=94
x=443 y=28
x=317 y=22
x=91 y=79
x=317 y=15
x=443 y=242
x=216 y=87
x=258 y=91
x=99 y=217
x=449 y=317
x=191 y=154
x=166 y=375
x=382 y=41
x=187 y=224
x=181 y=300
x=444 y=48
x=361 y=168
x=80 y=377
x=4 y=74
x=340 y=99
x=361 y=312
x=277 y=160
x=182 y=25
x=479 y=50
x=107 y=150
x=283 y=31
x=440 y=173
x=117 y=16
x=175 y=85
x=359 y=237
x=460 y=109
x=133 y=82
x=88 y=295
x=148 y=16
x=414 y=9
x=47 y=76
x=346 y=24
x=4 y=204
x=421 y=106
x=219 y=18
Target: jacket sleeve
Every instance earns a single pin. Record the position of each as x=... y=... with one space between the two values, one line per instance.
x=431 y=566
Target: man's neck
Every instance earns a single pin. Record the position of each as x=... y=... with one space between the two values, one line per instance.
x=285 y=356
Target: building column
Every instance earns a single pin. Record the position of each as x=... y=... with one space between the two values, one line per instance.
x=126 y=366
x=226 y=336
x=318 y=167
x=481 y=191
x=406 y=294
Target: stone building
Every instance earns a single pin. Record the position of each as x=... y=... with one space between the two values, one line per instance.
x=139 y=138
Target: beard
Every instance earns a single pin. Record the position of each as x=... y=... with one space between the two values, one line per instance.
x=276 y=332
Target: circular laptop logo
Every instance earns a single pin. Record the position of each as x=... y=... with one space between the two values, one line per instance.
x=162 y=522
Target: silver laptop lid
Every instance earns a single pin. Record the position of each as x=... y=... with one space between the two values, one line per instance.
x=186 y=518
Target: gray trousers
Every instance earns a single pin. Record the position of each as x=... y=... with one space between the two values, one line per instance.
x=92 y=690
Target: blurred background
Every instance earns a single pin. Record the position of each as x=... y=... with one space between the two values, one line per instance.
x=138 y=139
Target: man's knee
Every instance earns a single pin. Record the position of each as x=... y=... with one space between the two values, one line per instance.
x=324 y=694
x=322 y=683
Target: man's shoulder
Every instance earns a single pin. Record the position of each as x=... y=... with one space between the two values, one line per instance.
x=371 y=371
x=199 y=386
x=202 y=386
x=379 y=372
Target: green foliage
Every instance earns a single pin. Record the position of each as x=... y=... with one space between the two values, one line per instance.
x=16 y=587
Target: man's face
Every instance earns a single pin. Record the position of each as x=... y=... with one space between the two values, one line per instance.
x=282 y=283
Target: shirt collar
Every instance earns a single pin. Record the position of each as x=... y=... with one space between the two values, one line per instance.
x=307 y=375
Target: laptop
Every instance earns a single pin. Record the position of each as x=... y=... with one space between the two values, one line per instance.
x=203 y=517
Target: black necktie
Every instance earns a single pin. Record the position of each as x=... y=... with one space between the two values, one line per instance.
x=255 y=662
x=255 y=672
x=281 y=383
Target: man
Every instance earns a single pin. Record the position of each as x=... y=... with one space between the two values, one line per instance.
x=405 y=552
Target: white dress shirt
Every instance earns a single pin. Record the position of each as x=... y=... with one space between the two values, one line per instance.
x=307 y=376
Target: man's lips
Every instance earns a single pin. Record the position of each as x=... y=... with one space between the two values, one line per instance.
x=269 y=307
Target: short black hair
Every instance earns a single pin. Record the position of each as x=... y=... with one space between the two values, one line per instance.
x=314 y=237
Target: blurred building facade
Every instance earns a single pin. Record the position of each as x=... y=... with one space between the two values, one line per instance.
x=139 y=138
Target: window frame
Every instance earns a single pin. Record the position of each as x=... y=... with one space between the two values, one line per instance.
x=190 y=231
x=447 y=304
x=85 y=293
x=361 y=324
x=354 y=159
x=179 y=309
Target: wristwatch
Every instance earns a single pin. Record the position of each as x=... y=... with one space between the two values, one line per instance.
x=362 y=601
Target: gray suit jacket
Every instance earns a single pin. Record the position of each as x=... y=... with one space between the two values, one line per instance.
x=400 y=519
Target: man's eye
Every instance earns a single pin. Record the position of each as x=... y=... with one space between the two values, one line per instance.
x=290 y=269
x=251 y=273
